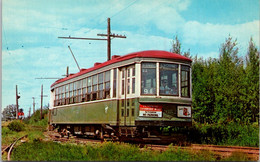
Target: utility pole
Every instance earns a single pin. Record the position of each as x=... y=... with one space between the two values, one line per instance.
x=109 y=35
x=33 y=104
x=108 y=39
x=17 y=105
x=42 y=100
x=29 y=112
x=67 y=73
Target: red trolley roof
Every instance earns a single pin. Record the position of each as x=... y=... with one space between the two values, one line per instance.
x=141 y=54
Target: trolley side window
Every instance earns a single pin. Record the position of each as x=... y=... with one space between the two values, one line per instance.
x=71 y=93
x=56 y=97
x=67 y=94
x=133 y=80
x=89 y=84
x=114 y=82
x=107 y=84
x=148 y=75
x=168 y=79
x=100 y=85
x=185 y=81
x=79 y=92
x=63 y=95
x=94 y=87
x=84 y=90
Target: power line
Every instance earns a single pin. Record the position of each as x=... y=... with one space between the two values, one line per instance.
x=130 y=4
x=124 y=8
x=108 y=35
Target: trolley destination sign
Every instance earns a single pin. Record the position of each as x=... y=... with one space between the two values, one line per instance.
x=150 y=111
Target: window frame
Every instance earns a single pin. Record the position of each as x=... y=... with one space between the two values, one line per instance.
x=141 y=76
x=187 y=80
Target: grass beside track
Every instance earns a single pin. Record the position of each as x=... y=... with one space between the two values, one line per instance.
x=108 y=151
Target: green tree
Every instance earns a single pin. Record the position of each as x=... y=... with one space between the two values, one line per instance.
x=252 y=81
x=9 y=112
x=203 y=89
x=228 y=83
x=176 y=46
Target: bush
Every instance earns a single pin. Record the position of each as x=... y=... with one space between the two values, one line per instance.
x=16 y=125
x=6 y=131
x=222 y=134
x=35 y=136
x=36 y=121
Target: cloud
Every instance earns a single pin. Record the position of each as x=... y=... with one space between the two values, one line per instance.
x=199 y=34
x=206 y=34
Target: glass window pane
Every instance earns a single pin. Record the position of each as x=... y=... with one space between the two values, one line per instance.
x=71 y=86
x=75 y=85
x=133 y=85
x=114 y=83
x=107 y=85
x=123 y=87
x=100 y=78
x=84 y=90
x=89 y=89
x=168 y=79
x=185 y=68
x=148 y=78
x=100 y=87
x=128 y=86
x=89 y=81
x=79 y=84
x=94 y=88
x=67 y=88
x=84 y=83
x=94 y=79
x=107 y=76
x=128 y=72
x=185 y=80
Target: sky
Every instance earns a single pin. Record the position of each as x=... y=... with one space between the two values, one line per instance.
x=31 y=48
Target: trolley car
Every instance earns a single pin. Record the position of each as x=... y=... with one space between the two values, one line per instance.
x=131 y=95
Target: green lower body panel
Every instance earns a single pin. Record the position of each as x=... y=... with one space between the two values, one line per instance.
x=101 y=112
x=130 y=112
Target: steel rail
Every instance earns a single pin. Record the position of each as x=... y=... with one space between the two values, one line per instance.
x=11 y=147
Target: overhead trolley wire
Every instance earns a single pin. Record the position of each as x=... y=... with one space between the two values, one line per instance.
x=130 y=4
x=124 y=8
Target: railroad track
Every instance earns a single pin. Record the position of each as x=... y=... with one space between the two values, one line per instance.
x=248 y=150
x=228 y=150
x=219 y=151
x=9 y=148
